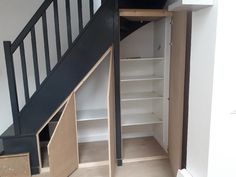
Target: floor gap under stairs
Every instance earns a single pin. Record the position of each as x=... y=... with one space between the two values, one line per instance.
x=143 y=155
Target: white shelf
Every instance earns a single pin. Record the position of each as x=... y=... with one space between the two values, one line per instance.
x=140 y=119
x=140 y=78
x=96 y=114
x=142 y=59
x=139 y=96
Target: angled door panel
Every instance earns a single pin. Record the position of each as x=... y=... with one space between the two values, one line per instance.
x=177 y=77
x=111 y=118
x=62 y=148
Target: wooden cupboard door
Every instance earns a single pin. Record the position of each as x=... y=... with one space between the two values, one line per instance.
x=63 y=146
x=111 y=118
x=177 y=77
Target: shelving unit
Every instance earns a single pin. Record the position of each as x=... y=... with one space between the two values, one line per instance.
x=144 y=82
x=95 y=121
x=92 y=116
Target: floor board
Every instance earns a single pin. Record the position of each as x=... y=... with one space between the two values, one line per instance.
x=93 y=152
x=142 y=147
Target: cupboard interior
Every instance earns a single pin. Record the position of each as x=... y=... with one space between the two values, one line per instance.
x=92 y=121
x=92 y=117
x=144 y=73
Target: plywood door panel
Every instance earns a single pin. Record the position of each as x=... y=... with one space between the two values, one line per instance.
x=15 y=165
x=177 y=73
x=111 y=118
x=62 y=148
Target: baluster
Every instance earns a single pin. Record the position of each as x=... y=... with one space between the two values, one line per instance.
x=12 y=86
x=91 y=8
x=80 y=16
x=46 y=45
x=24 y=71
x=35 y=58
x=68 y=20
x=57 y=29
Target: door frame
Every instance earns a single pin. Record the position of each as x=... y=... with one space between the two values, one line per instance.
x=186 y=90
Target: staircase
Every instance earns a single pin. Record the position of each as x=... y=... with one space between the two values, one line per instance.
x=83 y=52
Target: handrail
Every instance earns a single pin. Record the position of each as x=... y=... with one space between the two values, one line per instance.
x=30 y=24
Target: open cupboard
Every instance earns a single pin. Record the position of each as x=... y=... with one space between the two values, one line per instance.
x=80 y=134
x=152 y=87
x=144 y=73
x=152 y=92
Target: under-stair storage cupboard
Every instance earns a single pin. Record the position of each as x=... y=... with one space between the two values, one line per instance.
x=144 y=73
x=80 y=134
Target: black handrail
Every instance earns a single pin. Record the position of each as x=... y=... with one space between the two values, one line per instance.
x=30 y=24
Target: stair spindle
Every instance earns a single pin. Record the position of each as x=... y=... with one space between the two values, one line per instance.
x=68 y=20
x=24 y=71
x=57 y=29
x=46 y=45
x=91 y=8
x=35 y=58
x=80 y=16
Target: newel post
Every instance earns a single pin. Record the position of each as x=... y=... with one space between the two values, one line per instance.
x=12 y=85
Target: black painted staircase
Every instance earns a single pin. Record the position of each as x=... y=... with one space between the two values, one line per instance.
x=82 y=54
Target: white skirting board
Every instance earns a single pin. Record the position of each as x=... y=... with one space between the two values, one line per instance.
x=183 y=173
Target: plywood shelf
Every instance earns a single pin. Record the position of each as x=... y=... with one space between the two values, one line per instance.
x=144 y=14
x=140 y=96
x=140 y=119
x=142 y=59
x=95 y=114
x=140 y=78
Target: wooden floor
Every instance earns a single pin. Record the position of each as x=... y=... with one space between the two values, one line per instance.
x=93 y=152
x=143 y=157
x=155 y=168
x=141 y=148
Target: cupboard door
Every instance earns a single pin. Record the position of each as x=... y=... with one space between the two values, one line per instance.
x=177 y=74
x=63 y=146
x=111 y=118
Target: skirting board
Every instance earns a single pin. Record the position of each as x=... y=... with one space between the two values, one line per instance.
x=183 y=173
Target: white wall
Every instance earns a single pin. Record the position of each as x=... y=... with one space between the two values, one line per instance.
x=14 y=15
x=200 y=91
x=222 y=152
x=137 y=40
